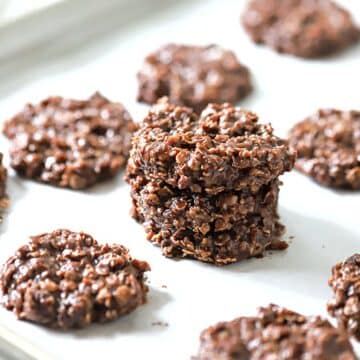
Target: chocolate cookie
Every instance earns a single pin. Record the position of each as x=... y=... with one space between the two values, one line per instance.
x=225 y=149
x=193 y=76
x=345 y=305
x=275 y=333
x=219 y=229
x=4 y=201
x=70 y=143
x=328 y=148
x=67 y=280
x=206 y=186
x=305 y=28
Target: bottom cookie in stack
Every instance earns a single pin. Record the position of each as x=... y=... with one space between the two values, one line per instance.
x=220 y=229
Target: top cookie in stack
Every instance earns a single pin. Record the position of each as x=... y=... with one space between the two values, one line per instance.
x=207 y=186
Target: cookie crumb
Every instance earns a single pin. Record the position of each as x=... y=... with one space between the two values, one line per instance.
x=345 y=304
x=160 y=323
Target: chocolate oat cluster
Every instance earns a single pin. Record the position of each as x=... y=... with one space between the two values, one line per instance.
x=275 y=333
x=345 y=305
x=66 y=279
x=207 y=186
x=70 y=143
x=304 y=28
x=193 y=76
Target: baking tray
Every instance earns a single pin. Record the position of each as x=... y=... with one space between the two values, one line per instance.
x=102 y=51
x=13 y=10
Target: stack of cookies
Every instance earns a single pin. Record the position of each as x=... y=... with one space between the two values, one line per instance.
x=207 y=186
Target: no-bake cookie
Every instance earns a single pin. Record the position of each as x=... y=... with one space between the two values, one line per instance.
x=206 y=186
x=328 y=147
x=70 y=143
x=275 y=333
x=304 y=28
x=345 y=305
x=220 y=229
x=193 y=76
x=223 y=149
x=67 y=280
x=4 y=201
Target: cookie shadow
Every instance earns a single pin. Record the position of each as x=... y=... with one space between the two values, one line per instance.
x=107 y=186
x=143 y=319
x=315 y=245
x=16 y=190
x=308 y=180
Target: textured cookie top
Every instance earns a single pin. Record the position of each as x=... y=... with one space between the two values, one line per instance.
x=305 y=28
x=66 y=279
x=328 y=147
x=193 y=76
x=223 y=149
x=275 y=333
x=70 y=143
x=345 y=305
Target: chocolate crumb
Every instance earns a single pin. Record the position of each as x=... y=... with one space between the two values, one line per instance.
x=160 y=323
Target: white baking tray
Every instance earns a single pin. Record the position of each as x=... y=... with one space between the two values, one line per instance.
x=102 y=51
x=13 y=10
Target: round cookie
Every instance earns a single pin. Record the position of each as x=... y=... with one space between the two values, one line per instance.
x=4 y=201
x=328 y=147
x=304 y=28
x=70 y=143
x=219 y=229
x=67 y=280
x=223 y=149
x=345 y=305
x=275 y=333
x=193 y=76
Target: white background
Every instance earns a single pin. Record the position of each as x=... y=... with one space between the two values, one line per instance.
x=325 y=223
